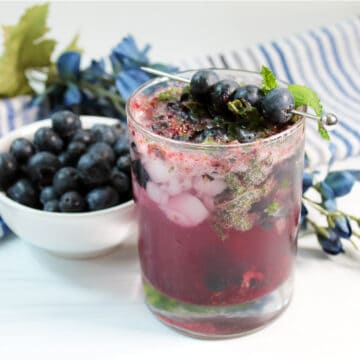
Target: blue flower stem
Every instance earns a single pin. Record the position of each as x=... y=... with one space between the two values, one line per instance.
x=318 y=207
x=116 y=100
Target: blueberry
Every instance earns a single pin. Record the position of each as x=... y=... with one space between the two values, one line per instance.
x=72 y=201
x=200 y=83
x=46 y=139
x=277 y=105
x=102 y=198
x=104 y=150
x=120 y=181
x=74 y=150
x=66 y=179
x=244 y=135
x=123 y=163
x=23 y=193
x=22 y=149
x=250 y=93
x=121 y=146
x=52 y=206
x=65 y=159
x=47 y=194
x=8 y=170
x=140 y=173
x=219 y=95
x=84 y=136
x=93 y=169
x=217 y=134
x=65 y=123
x=120 y=129
x=104 y=133
x=41 y=167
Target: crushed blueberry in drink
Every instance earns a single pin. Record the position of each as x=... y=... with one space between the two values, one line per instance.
x=217 y=169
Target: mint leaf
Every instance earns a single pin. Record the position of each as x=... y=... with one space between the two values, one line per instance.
x=273 y=207
x=170 y=94
x=305 y=96
x=268 y=79
x=322 y=131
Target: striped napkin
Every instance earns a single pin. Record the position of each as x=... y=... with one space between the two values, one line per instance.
x=326 y=59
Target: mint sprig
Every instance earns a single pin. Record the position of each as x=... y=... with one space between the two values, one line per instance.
x=268 y=80
x=302 y=94
x=306 y=96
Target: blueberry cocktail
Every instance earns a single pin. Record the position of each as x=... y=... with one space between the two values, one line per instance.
x=217 y=170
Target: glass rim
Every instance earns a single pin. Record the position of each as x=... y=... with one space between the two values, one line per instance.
x=180 y=143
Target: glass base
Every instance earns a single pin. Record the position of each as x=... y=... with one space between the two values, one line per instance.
x=219 y=321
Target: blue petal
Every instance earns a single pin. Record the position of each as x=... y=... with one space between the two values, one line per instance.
x=127 y=81
x=68 y=65
x=341 y=182
x=129 y=55
x=343 y=227
x=307 y=182
x=331 y=244
x=72 y=95
x=326 y=191
x=330 y=205
x=94 y=71
x=355 y=174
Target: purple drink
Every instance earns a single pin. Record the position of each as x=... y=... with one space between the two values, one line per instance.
x=218 y=219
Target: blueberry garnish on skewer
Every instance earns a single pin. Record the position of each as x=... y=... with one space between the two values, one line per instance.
x=254 y=108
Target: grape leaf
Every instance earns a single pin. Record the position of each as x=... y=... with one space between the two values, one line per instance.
x=305 y=96
x=24 y=48
x=73 y=45
x=268 y=79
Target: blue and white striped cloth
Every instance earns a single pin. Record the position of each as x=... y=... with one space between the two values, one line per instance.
x=15 y=113
x=326 y=59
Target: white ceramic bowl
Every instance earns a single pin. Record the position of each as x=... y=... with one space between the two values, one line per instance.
x=78 y=235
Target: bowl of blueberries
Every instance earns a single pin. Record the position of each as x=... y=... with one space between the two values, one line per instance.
x=65 y=184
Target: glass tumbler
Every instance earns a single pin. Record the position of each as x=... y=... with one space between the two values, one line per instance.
x=218 y=224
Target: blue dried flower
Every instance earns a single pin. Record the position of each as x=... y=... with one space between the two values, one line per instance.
x=72 y=95
x=127 y=55
x=342 y=227
x=341 y=182
x=307 y=182
x=330 y=244
x=128 y=80
x=95 y=71
x=326 y=191
x=68 y=65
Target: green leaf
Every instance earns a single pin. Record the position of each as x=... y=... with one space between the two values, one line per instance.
x=25 y=47
x=268 y=79
x=170 y=94
x=272 y=208
x=305 y=96
x=322 y=131
x=73 y=45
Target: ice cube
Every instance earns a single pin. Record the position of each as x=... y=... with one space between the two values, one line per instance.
x=178 y=185
x=156 y=194
x=185 y=210
x=205 y=185
x=159 y=170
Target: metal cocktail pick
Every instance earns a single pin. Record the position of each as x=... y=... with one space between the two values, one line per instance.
x=329 y=120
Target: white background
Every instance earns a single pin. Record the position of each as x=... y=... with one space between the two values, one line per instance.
x=94 y=309
x=181 y=30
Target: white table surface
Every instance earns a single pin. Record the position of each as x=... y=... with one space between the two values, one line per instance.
x=94 y=309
